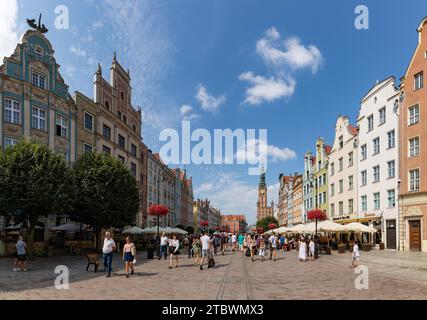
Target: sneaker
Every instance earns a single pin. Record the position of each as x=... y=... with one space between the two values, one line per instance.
x=108 y=275
x=132 y=272
x=15 y=270
x=18 y=269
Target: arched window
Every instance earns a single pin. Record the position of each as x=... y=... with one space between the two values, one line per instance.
x=107 y=105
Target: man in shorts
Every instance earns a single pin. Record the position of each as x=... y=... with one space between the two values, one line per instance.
x=233 y=242
x=205 y=242
x=21 y=254
x=273 y=246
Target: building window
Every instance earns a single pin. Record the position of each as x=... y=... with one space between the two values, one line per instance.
x=38 y=80
x=350 y=159
x=122 y=159
x=332 y=189
x=341 y=164
x=106 y=132
x=364 y=152
x=414 y=180
x=370 y=123
x=87 y=148
x=382 y=114
x=391 y=137
x=414 y=115
x=9 y=142
x=376 y=143
x=391 y=198
x=133 y=169
x=364 y=203
x=332 y=209
x=341 y=186
x=332 y=169
x=350 y=206
x=61 y=126
x=106 y=150
x=391 y=168
x=12 y=110
x=341 y=142
x=364 y=178
x=350 y=183
x=414 y=147
x=376 y=174
x=88 y=121
x=122 y=141
x=376 y=201
x=107 y=105
x=124 y=119
x=419 y=80
x=39 y=119
x=341 y=208
x=133 y=150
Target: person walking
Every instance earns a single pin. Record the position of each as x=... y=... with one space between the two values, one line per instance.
x=173 y=251
x=302 y=250
x=273 y=246
x=282 y=242
x=187 y=246
x=129 y=255
x=233 y=242
x=240 y=240
x=20 y=262
x=262 y=248
x=252 y=246
x=196 y=250
x=164 y=243
x=205 y=241
x=311 y=249
x=355 y=255
x=107 y=251
x=216 y=243
x=223 y=243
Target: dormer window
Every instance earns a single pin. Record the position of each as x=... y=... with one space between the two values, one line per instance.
x=39 y=52
x=38 y=79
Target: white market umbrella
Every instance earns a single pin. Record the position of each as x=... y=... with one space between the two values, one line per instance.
x=66 y=227
x=133 y=230
x=18 y=227
x=282 y=230
x=180 y=231
x=329 y=226
x=358 y=227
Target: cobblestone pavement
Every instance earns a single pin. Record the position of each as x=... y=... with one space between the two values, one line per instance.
x=392 y=275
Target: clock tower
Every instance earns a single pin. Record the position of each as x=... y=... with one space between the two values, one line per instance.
x=262 y=208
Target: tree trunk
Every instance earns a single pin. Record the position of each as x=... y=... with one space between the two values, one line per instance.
x=31 y=242
x=98 y=237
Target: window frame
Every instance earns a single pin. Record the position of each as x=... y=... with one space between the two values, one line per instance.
x=85 y=113
x=63 y=126
x=14 y=109
x=36 y=119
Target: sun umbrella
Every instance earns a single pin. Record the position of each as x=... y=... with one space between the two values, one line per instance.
x=358 y=227
x=329 y=226
x=66 y=227
x=133 y=230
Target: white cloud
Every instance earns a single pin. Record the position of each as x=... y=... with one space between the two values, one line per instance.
x=283 y=57
x=250 y=152
x=8 y=25
x=97 y=25
x=78 y=51
x=233 y=195
x=209 y=102
x=186 y=113
x=264 y=89
x=289 y=52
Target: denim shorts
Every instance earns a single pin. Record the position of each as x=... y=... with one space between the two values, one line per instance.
x=205 y=252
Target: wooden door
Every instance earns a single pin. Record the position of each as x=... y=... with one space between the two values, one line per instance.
x=391 y=234
x=415 y=235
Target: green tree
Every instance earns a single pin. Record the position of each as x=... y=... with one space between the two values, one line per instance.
x=106 y=193
x=189 y=229
x=180 y=226
x=34 y=182
x=263 y=223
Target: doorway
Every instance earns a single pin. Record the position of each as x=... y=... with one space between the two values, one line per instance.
x=391 y=234
x=415 y=235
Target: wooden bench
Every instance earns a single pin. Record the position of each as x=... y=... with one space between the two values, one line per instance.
x=93 y=258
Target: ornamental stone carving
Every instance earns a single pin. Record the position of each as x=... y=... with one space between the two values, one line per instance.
x=413 y=211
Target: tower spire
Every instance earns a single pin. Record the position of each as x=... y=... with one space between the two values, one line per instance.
x=262 y=183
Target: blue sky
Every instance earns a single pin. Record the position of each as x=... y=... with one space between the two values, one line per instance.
x=304 y=60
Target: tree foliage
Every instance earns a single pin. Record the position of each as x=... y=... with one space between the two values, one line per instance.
x=34 y=182
x=265 y=222
x=106 y=192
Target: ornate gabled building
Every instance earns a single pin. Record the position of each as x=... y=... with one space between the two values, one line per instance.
x=35 y=103
x=263 y=210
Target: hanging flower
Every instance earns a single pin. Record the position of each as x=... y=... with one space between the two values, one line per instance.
x=272 y=226
x=204 y=223
x=158 y=210
x=317 y=215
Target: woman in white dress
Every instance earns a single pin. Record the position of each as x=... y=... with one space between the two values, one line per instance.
x=302 y=250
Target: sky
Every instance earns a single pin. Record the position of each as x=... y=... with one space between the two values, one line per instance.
x=291 y=67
